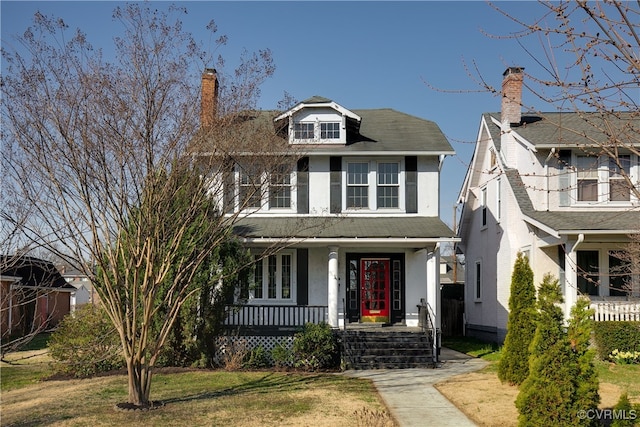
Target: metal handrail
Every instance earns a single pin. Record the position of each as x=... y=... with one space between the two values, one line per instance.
x=430 y=321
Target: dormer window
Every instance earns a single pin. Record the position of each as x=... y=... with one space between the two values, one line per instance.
x=318 y=121
x=303 y=131
x=330 y=130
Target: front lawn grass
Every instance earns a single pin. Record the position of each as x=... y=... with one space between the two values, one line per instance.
x=190 y=397
x=627 y=377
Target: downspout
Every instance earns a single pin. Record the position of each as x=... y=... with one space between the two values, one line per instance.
x=546 y=173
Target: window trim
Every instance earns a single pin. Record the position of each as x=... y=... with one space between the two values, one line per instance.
x=311 y=131
x=366 y=186
x=265 y=192
x=603 y=177
x=477 y=293
x=604 y=270
x=278 y=299
x=483 y=206
x=337 y=128
x=395 y=185
x=373 y=185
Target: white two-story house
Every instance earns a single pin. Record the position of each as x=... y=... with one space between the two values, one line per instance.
x=543 y=184
x=356 y=217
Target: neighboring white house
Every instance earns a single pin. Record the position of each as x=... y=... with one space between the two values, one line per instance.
x=540 y=184
x=84 y=293
x=359 y=214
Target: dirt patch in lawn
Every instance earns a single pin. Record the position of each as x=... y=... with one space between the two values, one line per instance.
x=488 y=402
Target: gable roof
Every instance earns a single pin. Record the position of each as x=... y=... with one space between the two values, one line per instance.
x=571 y=129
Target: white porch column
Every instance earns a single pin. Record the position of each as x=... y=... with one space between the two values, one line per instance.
x=332 y=299
x=433 y=283
x=571 y=275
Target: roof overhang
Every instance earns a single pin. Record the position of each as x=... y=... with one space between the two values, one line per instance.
x=333 y=105
x=351 y=242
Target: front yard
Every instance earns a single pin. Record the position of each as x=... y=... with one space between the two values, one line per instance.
x=190 y=397
x=488 y=402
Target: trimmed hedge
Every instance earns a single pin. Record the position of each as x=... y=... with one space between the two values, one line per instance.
x=612 y=335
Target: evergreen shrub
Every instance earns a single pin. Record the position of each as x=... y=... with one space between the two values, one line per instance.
x=514 y=363
x=315 y=347
x=85 y=343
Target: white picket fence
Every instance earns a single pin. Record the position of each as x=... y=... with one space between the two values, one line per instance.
x=616 y=310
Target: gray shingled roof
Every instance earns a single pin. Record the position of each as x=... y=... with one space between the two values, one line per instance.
x=593 y=221
x=380 y=130
x=348 y=227
x=316 y=99
x=549 y=130
x=390 y=131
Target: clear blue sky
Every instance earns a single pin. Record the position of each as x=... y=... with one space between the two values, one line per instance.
x=359 y=54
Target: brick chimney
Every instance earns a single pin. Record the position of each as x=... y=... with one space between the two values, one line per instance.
x=512 y=96
x=209 y=97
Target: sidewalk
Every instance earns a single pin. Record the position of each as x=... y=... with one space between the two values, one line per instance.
x=410 y=396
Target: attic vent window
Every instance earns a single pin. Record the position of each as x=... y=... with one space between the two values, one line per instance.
x=330 y=130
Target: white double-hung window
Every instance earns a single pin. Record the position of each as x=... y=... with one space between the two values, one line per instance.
x=388 y=185
x=258 y=189
x=373 y=185
x=357 y=185
x=603 y=179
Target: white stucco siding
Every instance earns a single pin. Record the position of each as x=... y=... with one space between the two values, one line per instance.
x=318 y=270
x=416 y=284
x=531 y=168
x=319 y=183
x=317 y=114
x=428 y=186
x=546 y=261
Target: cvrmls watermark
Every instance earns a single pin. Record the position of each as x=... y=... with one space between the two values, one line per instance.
x=608 y=414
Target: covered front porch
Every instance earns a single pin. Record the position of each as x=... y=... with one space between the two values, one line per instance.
x=249 y=319
x=343 y=270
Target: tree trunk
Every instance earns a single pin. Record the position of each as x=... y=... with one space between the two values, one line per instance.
x=139 y=383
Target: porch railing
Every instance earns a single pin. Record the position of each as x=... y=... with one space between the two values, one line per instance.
x=274 y=315
x=426 y=322
x=616 y=310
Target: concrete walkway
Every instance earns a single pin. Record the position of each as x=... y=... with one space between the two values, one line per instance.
x=410 y=396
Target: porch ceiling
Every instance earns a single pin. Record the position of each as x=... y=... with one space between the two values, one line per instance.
x=387 y=231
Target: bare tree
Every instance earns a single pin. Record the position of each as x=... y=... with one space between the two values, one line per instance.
x=587 y=63
x=96 y=151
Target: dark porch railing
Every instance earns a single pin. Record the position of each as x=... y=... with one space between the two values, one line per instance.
x=253 y=316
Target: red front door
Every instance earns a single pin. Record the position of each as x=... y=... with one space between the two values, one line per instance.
x=374 y=290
